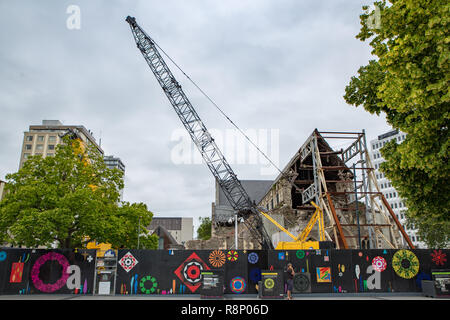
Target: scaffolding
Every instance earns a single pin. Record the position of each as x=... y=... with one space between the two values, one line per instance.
x=357 y=214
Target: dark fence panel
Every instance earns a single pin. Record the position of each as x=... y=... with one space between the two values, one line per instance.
x=34 y=271
x=166 y=272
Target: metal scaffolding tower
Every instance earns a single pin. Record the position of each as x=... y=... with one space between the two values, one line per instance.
x=357 y=210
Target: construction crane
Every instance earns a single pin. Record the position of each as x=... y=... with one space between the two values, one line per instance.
x=213 y=157
x=300 y=242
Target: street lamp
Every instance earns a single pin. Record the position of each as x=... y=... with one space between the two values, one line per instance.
x=139 y=230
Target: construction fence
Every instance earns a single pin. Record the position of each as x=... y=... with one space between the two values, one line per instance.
x=166 y=272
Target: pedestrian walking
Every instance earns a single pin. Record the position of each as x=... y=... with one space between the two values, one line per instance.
x=289 y=280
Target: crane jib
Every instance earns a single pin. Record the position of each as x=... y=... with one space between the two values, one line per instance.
x=213 y=157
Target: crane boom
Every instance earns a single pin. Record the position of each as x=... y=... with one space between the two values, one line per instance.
x=213 y=157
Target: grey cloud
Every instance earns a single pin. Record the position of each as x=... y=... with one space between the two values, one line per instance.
x=268 y=64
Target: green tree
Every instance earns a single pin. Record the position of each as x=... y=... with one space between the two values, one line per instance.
x=64 y=199
x=204 y=230
x=408 y=81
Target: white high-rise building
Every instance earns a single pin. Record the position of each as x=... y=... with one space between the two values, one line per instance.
x=397 y=204
x=115 y=163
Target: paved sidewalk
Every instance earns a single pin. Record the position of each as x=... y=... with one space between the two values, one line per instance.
x=398 y=296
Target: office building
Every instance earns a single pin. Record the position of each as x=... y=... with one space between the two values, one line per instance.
x=2 y=189
x=43 y=139
x=396 y=202
x=115 y=163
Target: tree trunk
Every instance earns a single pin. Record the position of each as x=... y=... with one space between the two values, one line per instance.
x=67 y=243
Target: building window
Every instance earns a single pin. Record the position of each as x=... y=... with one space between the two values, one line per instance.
x=40 y=138
x=39 y=147
x=52 y=139
x=26 y=155
x=51 y=147
x=28 y=147
x=29 y=138
x=271 y=203
x=50 y=154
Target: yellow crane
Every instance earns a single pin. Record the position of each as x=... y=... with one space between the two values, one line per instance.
x=300 y=242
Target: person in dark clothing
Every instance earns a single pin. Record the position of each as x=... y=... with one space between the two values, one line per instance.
x=289 y=280
x=365 y=243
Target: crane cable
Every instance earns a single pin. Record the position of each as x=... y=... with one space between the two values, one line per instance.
x=217 y=107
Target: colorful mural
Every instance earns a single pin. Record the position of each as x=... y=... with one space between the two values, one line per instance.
x=166 y=272
x=35 y=271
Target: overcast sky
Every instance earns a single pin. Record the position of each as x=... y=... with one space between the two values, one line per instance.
x=278 y=65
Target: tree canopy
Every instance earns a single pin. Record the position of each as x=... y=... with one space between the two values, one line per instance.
x=69 y=198
x=204 y=230
x=408 y=81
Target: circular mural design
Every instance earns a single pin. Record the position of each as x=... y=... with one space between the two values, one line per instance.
x=269 y=283
x=253 y=257
x=439 y=258
x=49 y=287
x=300 y=254
x=232 y=255
x=237 y=285
x=192 y=272
x=217 y=258
x=2 y=255
x=301 y=282
x=150 y=288
x=379 y=264
x=405 y=264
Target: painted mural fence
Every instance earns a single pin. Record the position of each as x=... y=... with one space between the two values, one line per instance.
x=31 y=271
x=166 y=272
